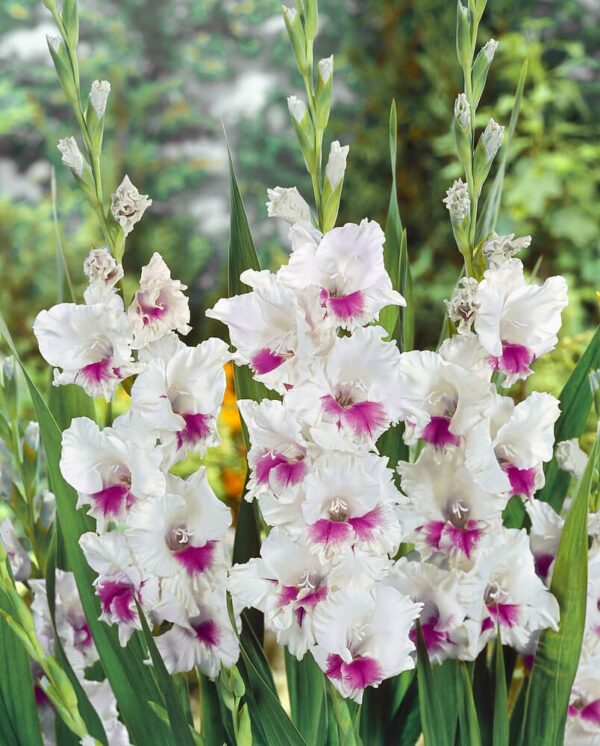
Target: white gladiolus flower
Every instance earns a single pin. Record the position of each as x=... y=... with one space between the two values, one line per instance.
x=583 y=721
x=91 y=344
x=346 y=264
x=109 y=471
x=159 y=305
x=103 y=274
x=336 y=163
x=462 y=110
x=463 y=306
x=99 y=96
x=103 y=701
x=544 y=536
x=363 y=637
x=492 y=138
x=297 y=108
x=518 y=322
x=464 y=350
x=128 y=205
x=571 y=458
x=325 y=69
x=17 y=556
x=206 y=639
x=71 y=155
x=177 y=397
x=448 y=512
x=287 y=204
x=457 y=201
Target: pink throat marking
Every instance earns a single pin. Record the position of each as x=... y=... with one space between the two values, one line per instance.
x=285 y=471
x=117 y=598
x=150 y=312
x=522 y=481
x=433 y=638
x=113 y=499
x=514 y=361
x=330 y=533
x=357 y=675
x=444 y=536
x=589 y=712
x=345 y=307
x=437 y=432
x=100 y=372
x=207 y=632
x=197 y=428
x=196 y=560
x=265 y=361
x=504 y=614
x=363 y=418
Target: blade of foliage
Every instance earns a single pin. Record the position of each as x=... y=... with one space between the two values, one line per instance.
x=434 y=715
x=66 y=402
x=517 y=714
x=19 y=722
x=467 y=713
x=500 y=729
x=488 y=217
x=177 y=719
x=558 y=652
x=575 y=403
x=381 y=716
x=86 y=709
x=215 y=719
x=393 y=230
x=131 y=681
x=164 y=717
x=343 y=718
x=306 y=688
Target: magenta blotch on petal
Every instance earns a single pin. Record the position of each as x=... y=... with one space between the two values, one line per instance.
x=196 y=559
x=437 y=432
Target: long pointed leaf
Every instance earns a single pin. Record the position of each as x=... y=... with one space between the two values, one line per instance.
x=557 y=654
x=501 y=730
x=434 y=719
x=306 y=688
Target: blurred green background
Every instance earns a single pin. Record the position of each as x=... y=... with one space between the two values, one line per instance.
x=181 y=69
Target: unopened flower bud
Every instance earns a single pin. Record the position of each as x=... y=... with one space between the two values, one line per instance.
x=457 y=201
x=287 y=204
x=289 y=13
x=462 y=110
x=32 y=436
x=571 y=458
x=492 y=139
x=99 y=96
x=8 y=368
x=71 y=155
x=54 y=42
x=500 y=249
x=463 y=306
x=489 y=49
x=325 y=69
x=128 y=205
x=297 y=108
x=336 y=163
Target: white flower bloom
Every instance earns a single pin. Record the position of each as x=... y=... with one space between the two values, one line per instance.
x=177 y=534
x=583 y=721
x=462 y=110
x=500 y=249
x=448 y=512
x=515 y=598
x=489 y=49
x=71 y=625
x=442 y=401
x=110 y=473
x=278 y=453
x=518 y=322
x=178 y=396
x=441 y=592
x=351 y=501
x=103 y=274
x=325 y=69
x=99 y=96
x=287 y=204
x=336 y=163
x=103 y=701
x=347 y=266
x=363 y=637
x=457 y=201
x=347 y=404
x=271 y=328
x=18 y=558
x=297 y=108
x=571 y=458
x=492 y=138
x=462 y=308
x=159 y=305
x=207 y=640
x=464 y=350
x=544 y=536
x=92 y=345
x=71 y=155
x=128 y=205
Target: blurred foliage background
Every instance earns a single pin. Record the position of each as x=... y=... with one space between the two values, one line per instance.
x=180 y=70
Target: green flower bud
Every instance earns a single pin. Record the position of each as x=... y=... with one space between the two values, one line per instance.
x=311 y=18
x=485 y=152
x=323 y=93
x=293 y=24
x=481 y=67
x=464 y=48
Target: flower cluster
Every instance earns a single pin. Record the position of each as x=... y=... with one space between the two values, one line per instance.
x=329 y=579
x=159 y=539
